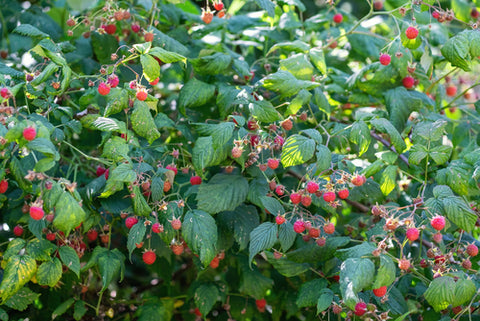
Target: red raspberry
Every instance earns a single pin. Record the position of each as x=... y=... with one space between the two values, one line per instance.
x=358 y=180
x=252 y=124
x=408 y=82
x=412 y=234
x=141 y=94
x=295 y=198
x=306 y=200
x=435 y=14
x=411 y=32
x=261 y=304
x=360 y=308
x=279 y=141
x=4 y=92
x=36 y=213
x=173 y=168
x=177 y=249
x=343 y=194
x=176 y=224
x=237 y=152
x=113 y=80
x=92 y=235
x=254 y=140
x=263 y=167
x=287 y=124
x=157 y=228
x=312 y=187
x=280 y=190
x=195 y=180
x=423 y=263
x=472 y=250
x=153 y=83
x=404 y=264
x=329 y=228
x=135 y=27
x=218 y=5
x=130 y=221
x=50 y=236
x=167 y=186
x=336 y=309
x=70 y=22
x=299 y=226
x=273 y=163
x=18 y=230
x=474 y=13
x=467 y=264
x=103 y=88
x=456 y=310
x=215 y=262
x=149 y=257
x=3 y=186
x=338 y=18
x=381 y=291
x=314 y=232
x=438 y=222
x=280 y=219
x=148 y=36
x=197 y=312
x=100 y=171
x=110 y=29
x=385 y=59
x=107 y=172
x=29 y=133
x=329 y=197
x=321 y=241
x=451 y=90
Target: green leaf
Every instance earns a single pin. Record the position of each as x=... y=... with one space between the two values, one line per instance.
x=457 y=175
x=325 y=300
x=430 y=131
x=68 y=213
x=257 y=188
x=21 y=300
x=143 y=123
x=286 y=235
x=18 y=271
x=167 y=56
x=286 y=267
x=267 y=5
x=441 y=154
x=44 y=165
x=356 y=251
x=459 y=213
x=151 y=68
x=62 y=308
x=79 y=310
x=195 y=93
x=140 y=204
x=255 y=284
x=400 y=103
x=70 y=259
x=116 y=149
x=298 y=65
x=222 y=193
x=272 y=205
x=356 y=274
x=264 y=112
x=318 y=58
x=262 y=237
x=205 y=297
x=297 y=150
x=464 y=291
x=456 y=50
x=44 y=146
x=123 y=173
x=388 y=180
x=310 y=292
x=49 y=273
x=143 y=48
x=360 y=135
x=441 y=191
x=221 y=133
x=200 y=232
x=286 y=84
x=30 y=31
x=14 y=247
x=313 y=134
x=215 y=64
x=384 y=126
x=117 y=101
x=441 y=293
x=373 y=168
x=40 y=249
x=135 y=236
x=111 y=264
x=324 y=159
x=168 y=43
x=203 y=153
x=386 y=272
x=290 y=46
x=416 y=154
x=103 y=46
x=242 y=221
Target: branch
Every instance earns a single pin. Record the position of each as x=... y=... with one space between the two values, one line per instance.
x=361 y=207
x=389 y=146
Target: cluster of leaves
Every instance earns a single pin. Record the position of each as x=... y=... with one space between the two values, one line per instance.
x=263 y=164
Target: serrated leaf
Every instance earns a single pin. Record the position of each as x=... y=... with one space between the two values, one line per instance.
x=388 y=180
x=456 y=50
x=62 y=308
x=356 y=274
x=441 y=191
x=441 y=154
x=21 y=300
x=203 y=153
x=459 y=213
x=220 y=133
x=263 y=237
x=140 y=204
x=255 y=284
x=68 y=213
x=325 y=300
x=18 y=271
x=242 y=221
x=290 y=46
x=162 y=40
x=117 y=101
x=257 y=188
x=440 y=293
x=286 y=267
x=39 y=249
x=116 y=149
x=205 y=297
x=356 y=251
x=386 y=272
x=318 y=58
x=14 y=247
x=123 y=173
x=310 y=292
x=286 y=235
x=298 y=65
x=222 y=193
x=464 y=291
x=297 y=150
x=195 y=93
x=373 y=168
x=70 y=259
x=215 y=64
x=286 y=84
x=142 y=121
x=264 y=111
x=432 y=131
x=166 y=56
x=79 y=310
x=272 y=205
x=360 y=135
x=110 y=264
x=106 y=124
x=135 y=236
x=313 y=134
x=416 y=154
x=30 y=31
x=49 y=272
x=267 y=5
x=200 y=232
x=44 y=146
x=324 y=159
x=150 y=66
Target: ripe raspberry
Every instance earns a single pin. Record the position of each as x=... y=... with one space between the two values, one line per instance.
x=261 y=304
x=262 y=167
x=299 y=227
x=279 y=141
x=472 y=250
x=18 y=230
x=215 y=262
x=177 y=248
x=4 y=92
x=456 y=310
x=451 y=90
x=149 y=257
x=195 y=180
x=103 y=89
x=273 y=163
x=408 y=82
x=474 y=13
x=36 y=213
x=404 y=264
x=3 y=186
x=338 y=18
x=329 y=197
x=110 y=29
x=70 y=22
x=424 y=263
x=173 y=168
x=306 y=200
x=153 y=83
x=360 y=308
x=135 y=27
x=314 y=232
x=336 y=309
x=312 y=187
x=29 y=133
x=411 y=32
x=295 y=198
x=167 y=186
x=358 y=180
x=280 y=219
x=107 y=172
x=207 y=16
x=252 y=124
x=197 y=312
x=92 y=235
x=321 y=241
x=141 y=94
x=50 y=236
x=254 y=140
x=385 y=59
x=218 y=5
x=381 y=291
x=343 y=194
x=118 y=15
x=148 y=36
x=412 y=234
x=221 y=14
x=237 y=152
x=435 y=14
x=280 y=190
x=113 y=80
x=157 y=228
x=329 y=228
x=176 y=224
x=287 y=124
x=130 y=221
x=467 y=264
x=100 y=171
x=438 y=222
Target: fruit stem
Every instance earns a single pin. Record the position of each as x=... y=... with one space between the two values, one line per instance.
x=97 y=309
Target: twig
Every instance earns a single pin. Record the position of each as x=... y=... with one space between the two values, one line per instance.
x=389 y=146
x=361 y=207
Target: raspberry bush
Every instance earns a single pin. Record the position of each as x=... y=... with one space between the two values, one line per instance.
x=234 y=160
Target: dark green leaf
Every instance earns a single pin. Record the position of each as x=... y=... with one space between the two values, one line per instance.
x=255 y=284
x=195 y=93
x=456 y=50
x=416 y=154
x=360 y=135
x=441 y=293
x=459 y=213
x=140 y=204
x=267 y=5
x=135 y=236
x=310 y=293
x=205 y=297
x=200 y=232
x=385 y=126
x=111 y=264
x=324 y=159
x=70 y=259
x=325 y=300
x=242 y=221
x=79 y=310
x=30 y=31
x=464 y=291
x=272 y=205
x=264 y=111
x=263 y=237
x=21 y=300
x=62 y=308
x=386 y=272
x=117 y=101
x=203 y=153
x=222 y=193
x=286 y=235
x=286 y=267
x=142 y=121
x=356 y=274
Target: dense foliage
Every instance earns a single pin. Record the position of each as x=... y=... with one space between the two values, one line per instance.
x=239 y=160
